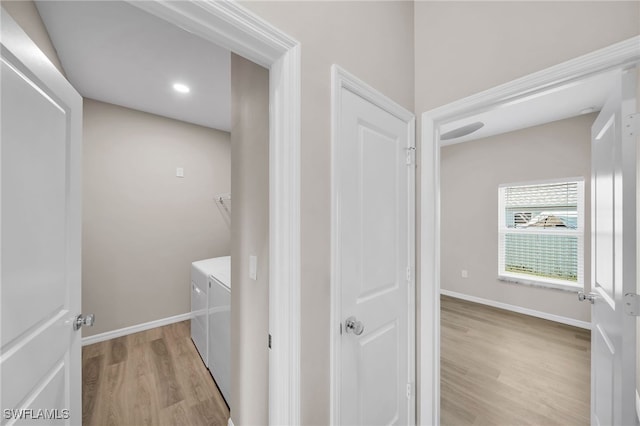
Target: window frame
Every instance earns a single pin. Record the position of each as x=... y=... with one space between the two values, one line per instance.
x=579 y=232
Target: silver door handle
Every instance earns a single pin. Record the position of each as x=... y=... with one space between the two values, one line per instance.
x=86 y=320
x=591 y=297
x=352 y=325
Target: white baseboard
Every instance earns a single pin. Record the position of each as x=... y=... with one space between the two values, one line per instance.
x=134 y=329
x=519 y=309
x=229 y=423
x=637 y=405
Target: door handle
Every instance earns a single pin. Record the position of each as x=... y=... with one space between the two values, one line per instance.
x=591 y=297
x=86 y=320
x=352 y=325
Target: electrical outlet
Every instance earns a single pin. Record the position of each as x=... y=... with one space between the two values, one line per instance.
x=465 y=273
x=179 y=172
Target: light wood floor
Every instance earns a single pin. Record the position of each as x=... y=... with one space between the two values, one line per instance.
x=155 y=377
x=504 y=368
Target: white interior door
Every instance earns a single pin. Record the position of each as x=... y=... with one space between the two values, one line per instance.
x=40 y=363
x=373 y=226
x=613 y=216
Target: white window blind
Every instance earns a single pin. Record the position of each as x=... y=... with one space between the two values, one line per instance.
x=541 y=231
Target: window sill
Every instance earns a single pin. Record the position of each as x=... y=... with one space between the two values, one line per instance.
x=573 y=288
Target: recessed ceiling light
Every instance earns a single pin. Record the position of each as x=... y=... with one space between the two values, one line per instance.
x=181 y=88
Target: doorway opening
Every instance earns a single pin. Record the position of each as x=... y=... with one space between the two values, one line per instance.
x=512 y=224
x=510 y=95
x=234 y=28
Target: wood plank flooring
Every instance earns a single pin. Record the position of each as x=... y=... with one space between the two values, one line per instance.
x=504 y=368
x=155 y=377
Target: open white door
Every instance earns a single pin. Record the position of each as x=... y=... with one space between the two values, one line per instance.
x=373 y=253
x=41 y=119
x=613 y=239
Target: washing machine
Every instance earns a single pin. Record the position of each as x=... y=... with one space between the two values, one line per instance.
x=220 y=326
x=200 y=272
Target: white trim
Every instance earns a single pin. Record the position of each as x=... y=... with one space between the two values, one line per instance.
x=230 y=422
x=233 y=27
x=341 y=79
x=637 y=405
x=539 y=282
x=108 y=335
x=284 y=240
x=619 y=55
x=519 y=309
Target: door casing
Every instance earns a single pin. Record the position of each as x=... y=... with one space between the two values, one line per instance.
x=341 y=79
x=617 y=56
x=233 y=27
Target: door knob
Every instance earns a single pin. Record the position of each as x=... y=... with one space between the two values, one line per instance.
x=352 y=325
x=86 y=320
x=591 y=297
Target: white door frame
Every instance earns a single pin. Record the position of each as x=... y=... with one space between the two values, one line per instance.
x=233 y=27
x=619 y=55
x=341 y=79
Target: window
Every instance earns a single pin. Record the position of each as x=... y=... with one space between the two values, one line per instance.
x=541 y=233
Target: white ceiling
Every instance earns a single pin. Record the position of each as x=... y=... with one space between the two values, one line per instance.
x=550 y=105
x=114 y=52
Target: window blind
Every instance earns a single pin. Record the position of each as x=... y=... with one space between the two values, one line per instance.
x=551 y=205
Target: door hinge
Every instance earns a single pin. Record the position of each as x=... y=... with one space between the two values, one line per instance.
x=409 y=273
x=408 y=390
x=269 y=341
x=632 y=304
x=632 y=124
x=410 y=153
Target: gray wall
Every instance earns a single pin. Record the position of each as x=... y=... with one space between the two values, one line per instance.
x=374 y=41
x=465 y=47
x=250 y=230
x=470 y=175
x=142 y=225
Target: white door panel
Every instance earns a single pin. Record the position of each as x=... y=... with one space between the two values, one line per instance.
x=374 y=189
x=613 y=199
x=40 y=236
x=33 y=177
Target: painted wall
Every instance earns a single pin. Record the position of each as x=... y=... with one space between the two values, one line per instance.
x=470 y=175
x=25 y=13
x=374 y=41
x=465 y=47
x=250 y=230
x=143 y=226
